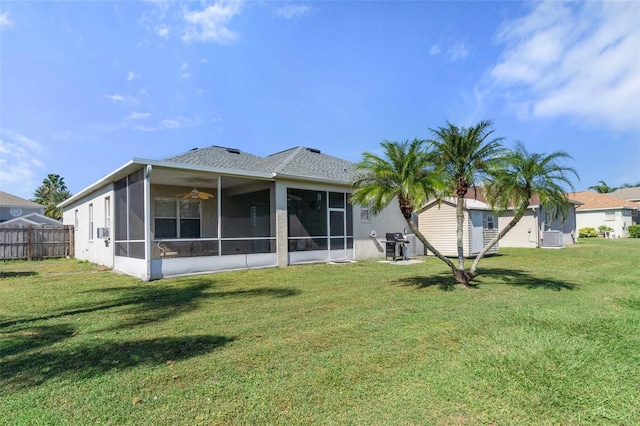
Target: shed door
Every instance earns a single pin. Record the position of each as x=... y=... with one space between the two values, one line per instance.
x=476 y=234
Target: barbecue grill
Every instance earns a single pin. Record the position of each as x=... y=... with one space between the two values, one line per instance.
x=396 y=246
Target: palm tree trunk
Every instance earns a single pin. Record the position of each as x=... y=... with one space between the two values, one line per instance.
x=518 y=214
x=427 y=244
x=459 y=231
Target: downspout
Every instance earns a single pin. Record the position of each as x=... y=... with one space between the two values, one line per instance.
x=219 y=201
x=147 y=221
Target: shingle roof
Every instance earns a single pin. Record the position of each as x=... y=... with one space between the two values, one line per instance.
x=594 y=200
x=299 y=162
x=7 y=199
x=219 y=157
x=632 y=193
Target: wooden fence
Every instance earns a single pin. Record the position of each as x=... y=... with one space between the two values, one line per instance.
x=36 y=241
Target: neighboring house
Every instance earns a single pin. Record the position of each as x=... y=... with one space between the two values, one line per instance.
x=629 y=194
x=537 y=229
x=604 y=209
x=218 y=208
x=438 y=223
x=12 y=206
x=34 y=219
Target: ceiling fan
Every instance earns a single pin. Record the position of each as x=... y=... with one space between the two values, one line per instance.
x=195 y=194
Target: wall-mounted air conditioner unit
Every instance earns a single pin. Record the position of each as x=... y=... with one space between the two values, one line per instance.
x=103 y=232
x=552 y=239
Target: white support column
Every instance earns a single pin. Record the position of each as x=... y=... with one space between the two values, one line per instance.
x=147 y=220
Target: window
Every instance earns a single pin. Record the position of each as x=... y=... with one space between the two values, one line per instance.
x=107 y=212
x=365 y=213
x=610 y=215
x=176 y=218
x=489 y=221
x=90 y=222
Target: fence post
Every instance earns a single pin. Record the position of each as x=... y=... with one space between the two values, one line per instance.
x=72 y=242
x=29 y=243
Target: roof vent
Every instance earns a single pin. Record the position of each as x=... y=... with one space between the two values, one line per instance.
x=315 y=151
x=233 y=150
x=193 y=149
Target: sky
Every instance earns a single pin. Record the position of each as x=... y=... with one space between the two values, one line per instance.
x=87 y=86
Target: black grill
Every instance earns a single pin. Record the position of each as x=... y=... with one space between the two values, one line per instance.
x=396 y=246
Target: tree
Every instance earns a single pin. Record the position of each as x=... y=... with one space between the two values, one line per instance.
x=50 y=193
x=519 y=176
x=408 y=173
x=465 y=156
x=602 y=188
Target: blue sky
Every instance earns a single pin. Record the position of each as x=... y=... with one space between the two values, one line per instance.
x=86 y=86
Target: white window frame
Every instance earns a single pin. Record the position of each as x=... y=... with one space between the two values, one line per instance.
x=609 y=215
x=91 y=222
x=365 y=213
x=177 y=217
x=107 y=212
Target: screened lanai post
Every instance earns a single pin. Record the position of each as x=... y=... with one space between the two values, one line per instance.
x=147 y=219
x=219 y=203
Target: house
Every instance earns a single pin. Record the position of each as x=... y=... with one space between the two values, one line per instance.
x=538 y=229
x=603 y=209
x=629 y=194
x=535 y=229
x=33 y=219
x=218 y=208
x=12 y=206
x=437 y=222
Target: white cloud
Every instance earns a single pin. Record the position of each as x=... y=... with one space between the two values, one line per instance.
x=5 y=22
x=170 y=123
x=293 y=11
x=186 y=75
x=20 y=165
x=124 y=99
x=435 y=49
x=138 y=116
x=163 y=32
x=457 y=52
x=580 y=60
x=210 y=24
x=132 y=76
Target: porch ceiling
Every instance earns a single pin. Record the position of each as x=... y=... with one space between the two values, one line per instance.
x=190 y=178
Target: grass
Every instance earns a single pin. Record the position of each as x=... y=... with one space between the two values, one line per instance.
x=548 y=337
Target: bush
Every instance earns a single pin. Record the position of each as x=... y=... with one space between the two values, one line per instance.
x=587 y=232
x=634 y=231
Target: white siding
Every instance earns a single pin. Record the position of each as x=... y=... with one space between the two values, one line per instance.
x=596 y=218
x=96 y=250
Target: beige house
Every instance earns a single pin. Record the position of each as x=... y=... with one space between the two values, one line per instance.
x=603 y=209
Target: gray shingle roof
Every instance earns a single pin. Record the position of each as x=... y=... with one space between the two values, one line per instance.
x=299 y=162
x=7 y=199
x=629 y=194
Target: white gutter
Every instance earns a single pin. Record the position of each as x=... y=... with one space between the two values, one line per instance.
x=310 y=179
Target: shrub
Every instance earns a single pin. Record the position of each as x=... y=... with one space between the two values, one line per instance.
x=634 y=231
x=587 y=232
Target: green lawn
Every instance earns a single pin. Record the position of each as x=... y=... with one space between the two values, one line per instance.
x=548 y=337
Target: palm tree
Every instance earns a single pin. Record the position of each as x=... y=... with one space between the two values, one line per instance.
x=407 y=172
x=602 y=188
x=518 y=177
x=50 y=193
x=464 y=155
